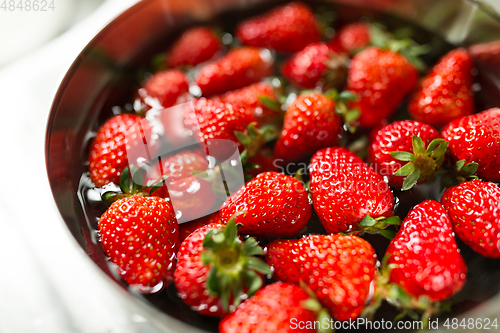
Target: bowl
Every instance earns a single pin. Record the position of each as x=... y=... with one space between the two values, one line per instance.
x=104 y=75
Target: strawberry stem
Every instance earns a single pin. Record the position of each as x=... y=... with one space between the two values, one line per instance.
x=423 y=162
x=233 y=264
x=395 y=295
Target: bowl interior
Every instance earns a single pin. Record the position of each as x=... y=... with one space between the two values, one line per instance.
x=109 y=69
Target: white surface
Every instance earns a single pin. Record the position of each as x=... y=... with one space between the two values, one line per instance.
x=47 y=284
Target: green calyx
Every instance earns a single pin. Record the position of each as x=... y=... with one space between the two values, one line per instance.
x=466 y=170
x=234 y=269
x=336 y=74
x=417 y=308
x=399 y=43
x=377 y=225
x=342 y=101
x=131 y=184
x=255 y=139
x=270 y=103
x=313 y=304
x=423 y=162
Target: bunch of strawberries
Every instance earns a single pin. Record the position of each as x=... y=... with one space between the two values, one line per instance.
x=284 y=94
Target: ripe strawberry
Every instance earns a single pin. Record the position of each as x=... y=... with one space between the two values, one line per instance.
x=140 y=235
x=163 y=89
x=347 y=194
x=311 y=123
x=353 y=37
x=191 y=197
x=194 y=46
x=445 y=93
x=474 y=209
x=316 y=64
x=407 y=151
x=237 y=69
x=273 y=308
x=338 y=268
x=258 y=99
x=213 y=122
x=273 y=204
x=381 y=79
x=287 y=28
x=424 y=257
x=117 y=137
x=212 y=274
x=476 y=138
x=187 y=228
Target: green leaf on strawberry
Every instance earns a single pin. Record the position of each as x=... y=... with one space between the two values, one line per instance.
x=233 y=266
x=423 y=161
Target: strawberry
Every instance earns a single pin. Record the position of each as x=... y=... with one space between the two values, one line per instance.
x=274 y=308
x=119 y=136
x=162 y=90
x=349 y=195
x=311 y=123
x=191 y=197
x=474 y=209
x=424 y=257
x=259 y=98
x=339 y=269
x=407 y=148
x=476 y=139
x=288 y=28
x=213 y=122
x=353 y=37
x=317 y=64
x=273 y=204
x=237 y=69
x=214 y=268
x=381 y=80
x=445 y=93
x=140 y=235
x=194 y=46
x=187 y=228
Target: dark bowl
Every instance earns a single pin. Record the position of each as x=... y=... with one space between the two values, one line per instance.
x=105 y=75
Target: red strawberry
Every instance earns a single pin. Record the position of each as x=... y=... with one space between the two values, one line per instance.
x=191 y=197
x=187 y=228
x=474 y=209
x=347 y=194
x=120 y=135
x=211 y=276
x=287 y=28
x=239 y=68
x=213 y=122
x=338 y=268
x=445 y=93
x=273 y=204
x=258 y=98
x=311 y=123
x=196 y=45
x=476 y=139
x=163 y=89
x=424 y=257
x=353 y=37
x=407 y=144
x=317 y=64
x=274 y=308
x=381 y=79
x=140 y=235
